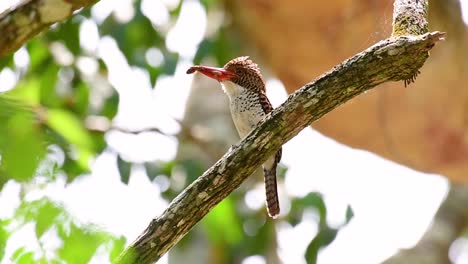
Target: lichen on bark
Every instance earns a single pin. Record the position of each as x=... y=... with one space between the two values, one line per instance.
x=409 y=17
x=356 y=75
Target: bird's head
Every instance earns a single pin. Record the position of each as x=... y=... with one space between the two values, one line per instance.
x=241 y=71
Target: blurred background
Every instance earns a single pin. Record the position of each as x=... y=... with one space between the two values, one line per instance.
x=100 y=128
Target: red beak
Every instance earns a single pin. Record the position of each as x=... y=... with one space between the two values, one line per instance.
x=219 y=74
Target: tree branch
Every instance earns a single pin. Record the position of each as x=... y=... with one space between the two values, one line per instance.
x=394 y=59
x=23 y=22
x=410 y=17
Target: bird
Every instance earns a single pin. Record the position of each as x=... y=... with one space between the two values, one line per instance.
x=242 y=81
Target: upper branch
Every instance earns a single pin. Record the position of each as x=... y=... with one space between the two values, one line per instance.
x=393 y=59
x=22 y=22
x=410 y=17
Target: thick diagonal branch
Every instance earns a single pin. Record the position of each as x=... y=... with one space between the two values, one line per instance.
x=22 y=22
x=393 y=59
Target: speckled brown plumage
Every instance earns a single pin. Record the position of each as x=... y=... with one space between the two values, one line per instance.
x=243 y=83
x=250 y=78
x=249 y=75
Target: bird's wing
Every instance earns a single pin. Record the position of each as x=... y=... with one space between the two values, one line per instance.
x=267 y=108
x=265 y=103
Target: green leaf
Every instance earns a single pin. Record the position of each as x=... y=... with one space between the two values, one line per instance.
x=170 y=62
x=38 y=54
x=208 y=4
x=81 y=98
x=264 y=239
x=167 y=168
x=23 y=148
x=111 y=106
x=84 y=155
x=27 y=212
x=45 y=260
x=81 y=242
x=193 y=169
x=124 y=169
x=28 y=91
x=134 y=38
x=99 y=141
x=80 y=245
x=154 y=73
x=222 y=216
x=281 y=171
x=222 y=46
x=18 y=252
x=68 y=32
x=314 y=200
x=225 y=46
x=176 y=11
x=26 y=258
x=6 y=61
x=9 y=107
x=3 y=238
x=41 y=210
x=70 y=127
x=47 y=217
x=47 y=84
x=205 y=49
x=349 y=214
x=322 y=239
x=117 y=246
x=72 y=169
x=152 y=170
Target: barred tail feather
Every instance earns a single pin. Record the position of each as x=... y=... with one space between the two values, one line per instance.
x=271 y=192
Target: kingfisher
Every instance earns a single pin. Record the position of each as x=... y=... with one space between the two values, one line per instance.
x=243 y=83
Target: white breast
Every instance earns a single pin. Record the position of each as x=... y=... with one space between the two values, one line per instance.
x=245 y=107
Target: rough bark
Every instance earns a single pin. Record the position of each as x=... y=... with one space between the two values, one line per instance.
x=409 y=18
x=21 y=23
x=393 y=59
x=449 y=223
x=424 y=127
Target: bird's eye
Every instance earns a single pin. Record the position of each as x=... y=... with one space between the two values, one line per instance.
x=239 y=72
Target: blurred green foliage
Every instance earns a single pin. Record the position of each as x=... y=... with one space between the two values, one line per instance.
x=50 y=106
x=79 y=242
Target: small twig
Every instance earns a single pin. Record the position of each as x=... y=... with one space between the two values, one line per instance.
x=146 y=130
